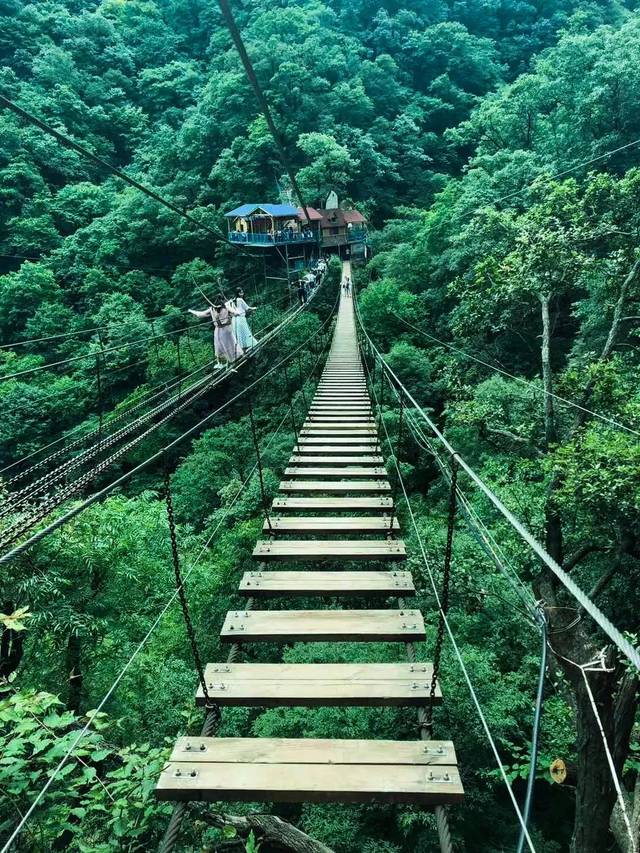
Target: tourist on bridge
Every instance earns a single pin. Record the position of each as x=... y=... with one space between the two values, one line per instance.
x=241 y=330
x=226 y=346
x=302 y=291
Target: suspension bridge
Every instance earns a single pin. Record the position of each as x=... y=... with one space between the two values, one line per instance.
x=334 y=508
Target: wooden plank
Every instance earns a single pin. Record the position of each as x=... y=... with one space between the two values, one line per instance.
x=345 y=504
x=331 y=524
x=339 y=439
x=332 y=449
x=338 y=751
x=336 y=460
x=364 y=420
x=344 y=430
x=329 y=549
x=335 y=486
x=285 y=626
x=357 y=428
x=265 y=584
x=347 y=471
x=310 y=783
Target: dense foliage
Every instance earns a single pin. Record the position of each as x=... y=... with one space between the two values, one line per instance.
x=492 y=282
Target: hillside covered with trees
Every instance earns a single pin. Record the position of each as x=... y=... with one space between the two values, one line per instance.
x=494 y=148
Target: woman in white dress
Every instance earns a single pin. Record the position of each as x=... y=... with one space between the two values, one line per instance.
x=241 y=330
x=226 y=346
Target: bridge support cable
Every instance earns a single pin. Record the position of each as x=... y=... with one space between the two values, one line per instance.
x=262 y=101
x=67 y=142
x=604 y=623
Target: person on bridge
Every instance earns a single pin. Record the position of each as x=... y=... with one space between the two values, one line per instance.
x=241 y=329
x=225 y=344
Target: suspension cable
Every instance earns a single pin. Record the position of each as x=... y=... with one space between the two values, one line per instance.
x=262 y=101
x=67 y=142
x=565 y=579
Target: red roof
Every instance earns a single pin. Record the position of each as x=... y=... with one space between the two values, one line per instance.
x=337 y=217
x=354 y=216
x=313 y=214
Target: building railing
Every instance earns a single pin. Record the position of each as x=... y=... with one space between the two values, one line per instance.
x=272 y=239
x=351 y=236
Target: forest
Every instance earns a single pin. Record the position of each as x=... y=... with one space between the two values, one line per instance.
x=494 y=148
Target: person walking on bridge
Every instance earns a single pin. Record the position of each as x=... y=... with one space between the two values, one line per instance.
x=225 y=344
x=241 y=329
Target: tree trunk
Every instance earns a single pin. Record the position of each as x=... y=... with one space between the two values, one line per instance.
x=271 y=830
x=595 y=792
x=74 y=695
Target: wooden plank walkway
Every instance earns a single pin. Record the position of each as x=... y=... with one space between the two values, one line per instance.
x=334 y=506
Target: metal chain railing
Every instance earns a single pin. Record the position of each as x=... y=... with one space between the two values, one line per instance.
x=212 y=709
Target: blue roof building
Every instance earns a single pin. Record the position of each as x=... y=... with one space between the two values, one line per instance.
x=266 y=225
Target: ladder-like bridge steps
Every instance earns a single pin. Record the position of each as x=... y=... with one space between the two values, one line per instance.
x=334 y=509
x=353 y=471
x=336 y=460
x=313 y=771
x=311 y=626
x=333 y=583
x=318 y=684
x=331 y=524
x=335 y=486
x=380 y=504
x=330 y=549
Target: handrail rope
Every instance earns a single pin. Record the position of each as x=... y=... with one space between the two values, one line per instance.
x=91 y=451
x=521 y=380
x=71 y=513
x=119 y=416
x=487 y=539
x=78 y=332
x=74 y=358
x=585 y=602
x=423 y=714
x=156 y=622
x=21 y=526
x=456 y=649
